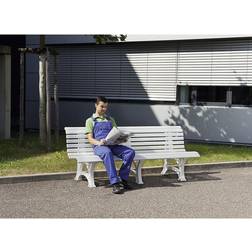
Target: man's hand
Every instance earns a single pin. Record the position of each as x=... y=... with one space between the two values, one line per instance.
x=102 y=142
x=94 y=141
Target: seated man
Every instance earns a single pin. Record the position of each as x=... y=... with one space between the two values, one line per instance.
x=97 y=128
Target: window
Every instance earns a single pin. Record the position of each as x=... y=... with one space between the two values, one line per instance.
x=215 y=95
x=202 y=95
x=242 y=95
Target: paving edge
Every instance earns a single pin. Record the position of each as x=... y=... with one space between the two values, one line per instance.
x=145 y=170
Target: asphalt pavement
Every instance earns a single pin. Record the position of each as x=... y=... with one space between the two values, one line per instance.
x=220 y=193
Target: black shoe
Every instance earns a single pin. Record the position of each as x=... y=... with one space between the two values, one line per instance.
x=117 y=189
x=125 y=185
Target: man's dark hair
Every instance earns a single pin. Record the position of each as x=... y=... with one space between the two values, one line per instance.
x=102 y=99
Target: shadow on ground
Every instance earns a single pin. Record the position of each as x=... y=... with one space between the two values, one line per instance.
x=169 y=180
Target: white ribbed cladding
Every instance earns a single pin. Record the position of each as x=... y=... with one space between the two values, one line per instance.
x=150 y=71
x=121 y=71
x=216 y=63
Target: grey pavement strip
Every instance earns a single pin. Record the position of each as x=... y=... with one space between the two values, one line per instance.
x=146 y=170
x=212 y=193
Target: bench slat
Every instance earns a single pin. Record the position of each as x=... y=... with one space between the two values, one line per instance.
x=85 y=140
x=143 y=145
x=163 y=140
x=134 y=135
x=162 y=143
x=81 y=145
x=148 y=147
x=80 y=150
x=77 y=141
x=151 y=135
x=151 y=128
x=73 y=136
x=143 y=156
x=154 y=129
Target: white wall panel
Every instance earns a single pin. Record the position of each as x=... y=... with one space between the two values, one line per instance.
x=217 y=63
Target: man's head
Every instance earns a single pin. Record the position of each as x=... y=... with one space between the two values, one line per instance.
x=101 y=105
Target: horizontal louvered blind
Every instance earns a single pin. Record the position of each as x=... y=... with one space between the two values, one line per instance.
x=142 y=72
x=216 y=63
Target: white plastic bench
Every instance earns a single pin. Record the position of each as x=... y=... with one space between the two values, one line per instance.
x=149 y=142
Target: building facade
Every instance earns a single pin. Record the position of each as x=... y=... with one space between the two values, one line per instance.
x=203 y=83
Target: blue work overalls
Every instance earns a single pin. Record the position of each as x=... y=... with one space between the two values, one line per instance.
x=106 y=152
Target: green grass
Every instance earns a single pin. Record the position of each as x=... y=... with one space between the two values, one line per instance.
x=31 y=158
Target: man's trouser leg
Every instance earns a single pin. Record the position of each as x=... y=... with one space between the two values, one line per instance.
x=106 y=155
x=127 y=155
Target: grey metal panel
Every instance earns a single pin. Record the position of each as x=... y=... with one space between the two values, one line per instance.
x=32 y=87
x=82 y=69
x=32 y=40
x=66 y=39
x=107 y=71
x=32 y=114
x=117 y=71
x=31 y=63
x=227 y=62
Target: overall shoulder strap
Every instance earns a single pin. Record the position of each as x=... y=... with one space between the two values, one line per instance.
x=108 y=118
x=94 y=120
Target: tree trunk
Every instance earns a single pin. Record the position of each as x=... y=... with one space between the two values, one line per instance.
x=48 y=104
x=56 y=102
x=42 y=99
x=21 y=111
x=42 y=92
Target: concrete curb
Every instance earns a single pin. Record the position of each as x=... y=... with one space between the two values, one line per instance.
x=149 y=170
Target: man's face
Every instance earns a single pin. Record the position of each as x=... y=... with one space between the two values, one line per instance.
x=101 y=108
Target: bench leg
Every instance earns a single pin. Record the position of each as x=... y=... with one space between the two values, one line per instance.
x=165 y=167
x=79 y=171
x=90 y=174
x=181 y=170
x=139 y=179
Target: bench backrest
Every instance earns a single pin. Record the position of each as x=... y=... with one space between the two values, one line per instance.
x=144 y=139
